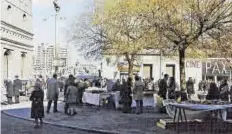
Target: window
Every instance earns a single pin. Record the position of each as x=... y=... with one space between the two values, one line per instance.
x=24 y=16
x=8 y=7
x=170 y=70
x=147 y=70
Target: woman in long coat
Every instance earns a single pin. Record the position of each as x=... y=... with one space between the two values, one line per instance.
x=138 y=95
x=72 y=98
x=37 y=107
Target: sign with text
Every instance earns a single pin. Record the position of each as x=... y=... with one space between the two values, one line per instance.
x=192 y=64
x=216 y=68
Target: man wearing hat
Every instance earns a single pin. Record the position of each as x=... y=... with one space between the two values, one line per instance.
x=17 y=85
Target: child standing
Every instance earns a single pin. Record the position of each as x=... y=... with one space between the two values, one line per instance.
x=37 y=107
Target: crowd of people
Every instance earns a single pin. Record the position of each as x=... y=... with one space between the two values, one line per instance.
x=130 y=89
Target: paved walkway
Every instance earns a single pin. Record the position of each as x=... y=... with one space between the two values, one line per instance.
x=95 y=119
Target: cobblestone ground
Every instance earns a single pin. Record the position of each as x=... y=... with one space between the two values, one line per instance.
x=11 y=125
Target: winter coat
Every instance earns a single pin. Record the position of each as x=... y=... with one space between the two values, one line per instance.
x=9 y=89
x=116 y=87
x=125 y=93
x=17 y=86
x=72 y=95
x=224 y=93
x=52 y=89
x=213 y=94
x=37 y=107
x=138 y=90
x=162 y=88
x=67 y=84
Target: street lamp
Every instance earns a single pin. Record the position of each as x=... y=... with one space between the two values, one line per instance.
x=57 y=9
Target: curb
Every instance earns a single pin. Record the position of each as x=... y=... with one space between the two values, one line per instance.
x=65 y=126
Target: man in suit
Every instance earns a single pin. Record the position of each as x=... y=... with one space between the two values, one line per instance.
x=17 y=85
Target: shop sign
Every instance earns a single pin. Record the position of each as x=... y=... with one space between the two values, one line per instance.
x=193 y=64
x=216 y=67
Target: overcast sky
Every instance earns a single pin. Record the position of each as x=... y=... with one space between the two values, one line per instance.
x=44 y=20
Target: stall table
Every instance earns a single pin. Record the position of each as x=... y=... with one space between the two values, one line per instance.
x=180 y=110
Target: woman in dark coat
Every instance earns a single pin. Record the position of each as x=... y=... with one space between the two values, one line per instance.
x=126 y=95
x=37 y=107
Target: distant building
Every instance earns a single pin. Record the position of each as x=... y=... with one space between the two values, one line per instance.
x=44 y=58
x=16 y=39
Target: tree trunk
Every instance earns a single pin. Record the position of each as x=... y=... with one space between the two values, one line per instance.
x=182 y=69
x=130 y=69
x=130 y=60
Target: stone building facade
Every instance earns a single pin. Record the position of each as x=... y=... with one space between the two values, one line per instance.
x=16 y=39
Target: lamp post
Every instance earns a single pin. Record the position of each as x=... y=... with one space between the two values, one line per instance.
x=57 y=9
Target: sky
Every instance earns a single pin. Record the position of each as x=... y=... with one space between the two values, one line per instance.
x=44 y=20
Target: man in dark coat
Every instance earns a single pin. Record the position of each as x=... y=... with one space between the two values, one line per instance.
x=9 y=91
x=125 y=94
x=17 y=86
x=163 y=87
x=190 y=87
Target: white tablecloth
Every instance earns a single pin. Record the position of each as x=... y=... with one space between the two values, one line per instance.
x=91 y=98
x=148 y=101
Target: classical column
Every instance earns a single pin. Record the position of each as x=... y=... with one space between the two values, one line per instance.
x=23 y=55
x=6 y=55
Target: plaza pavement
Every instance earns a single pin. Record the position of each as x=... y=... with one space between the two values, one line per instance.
x=94 y=119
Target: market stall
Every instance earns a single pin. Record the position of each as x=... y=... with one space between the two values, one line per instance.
x=96 y=96
x=193 y=109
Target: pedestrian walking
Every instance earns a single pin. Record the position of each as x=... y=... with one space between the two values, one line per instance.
x=138 y=95
x=17 y=85
x=72 y=98
x=52 y=93
x=37 y=107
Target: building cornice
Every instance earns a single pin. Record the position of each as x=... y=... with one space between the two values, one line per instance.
x=16 y=28
x=16 y=42
x=10 y=44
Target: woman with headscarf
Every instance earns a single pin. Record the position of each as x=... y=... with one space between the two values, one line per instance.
x=37 y=107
